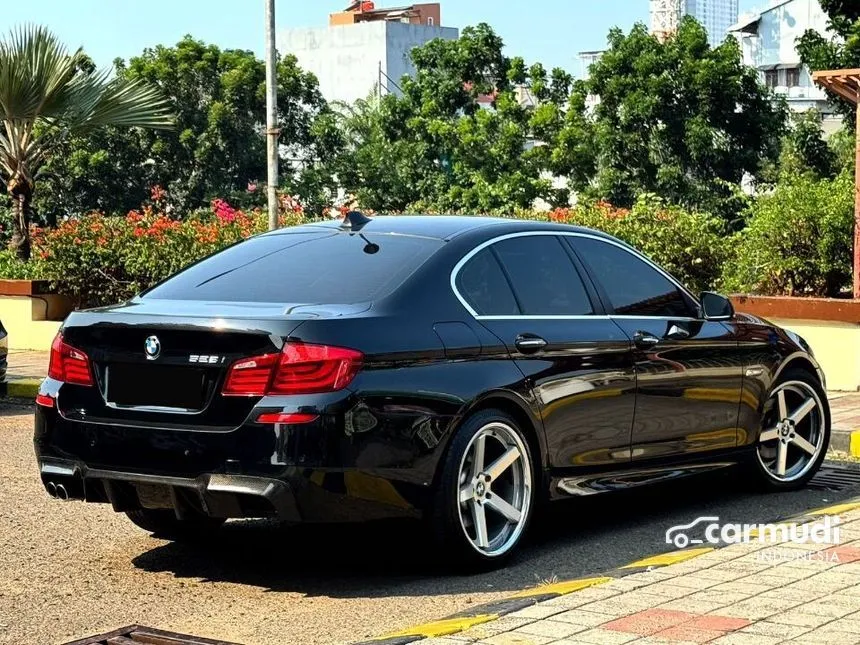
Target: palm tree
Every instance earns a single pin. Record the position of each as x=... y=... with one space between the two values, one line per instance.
x=48 y=94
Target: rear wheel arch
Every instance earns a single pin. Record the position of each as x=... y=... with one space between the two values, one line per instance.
x=518 y=410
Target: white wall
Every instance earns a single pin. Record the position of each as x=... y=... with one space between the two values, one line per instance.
x=774 y=44
x=346 y=58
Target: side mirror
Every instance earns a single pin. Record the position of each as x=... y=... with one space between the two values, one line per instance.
x=716 y=307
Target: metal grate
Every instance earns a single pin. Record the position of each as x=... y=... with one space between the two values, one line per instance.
x=835 y=478
x=137 y=635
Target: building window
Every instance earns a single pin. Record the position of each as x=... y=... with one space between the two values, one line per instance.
x=430 y=21
x=771 y=78
x=792 y=77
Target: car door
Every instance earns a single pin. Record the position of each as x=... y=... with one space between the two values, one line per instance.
x=688 y=370
x=527 y=290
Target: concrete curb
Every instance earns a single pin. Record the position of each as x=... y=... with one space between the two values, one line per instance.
x=491 y=611
x=846 y=441
x=20 y=388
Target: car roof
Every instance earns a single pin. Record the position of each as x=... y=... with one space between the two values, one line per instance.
x=446 y=227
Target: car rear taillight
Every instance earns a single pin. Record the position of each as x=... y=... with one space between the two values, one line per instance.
x=298 y=369
x=68 y=364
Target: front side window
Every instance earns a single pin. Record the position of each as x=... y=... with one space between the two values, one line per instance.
x=543 y=277
x=633 y=286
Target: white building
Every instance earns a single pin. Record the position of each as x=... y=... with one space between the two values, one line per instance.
x=361 y=51
x=768 y=40
x=716 y=16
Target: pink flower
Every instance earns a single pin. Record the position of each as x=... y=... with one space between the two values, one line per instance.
x=252 y=186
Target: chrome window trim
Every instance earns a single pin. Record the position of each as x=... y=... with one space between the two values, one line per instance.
x=483 y=245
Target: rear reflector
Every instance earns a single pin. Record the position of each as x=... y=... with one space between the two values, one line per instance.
x=44 y=400
x=298 y=369
x=68 y=364
x=284 y=417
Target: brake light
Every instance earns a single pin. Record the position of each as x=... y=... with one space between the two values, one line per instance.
x=298 y=369
x=69 y=364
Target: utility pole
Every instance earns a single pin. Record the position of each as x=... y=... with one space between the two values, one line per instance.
x=272 y=130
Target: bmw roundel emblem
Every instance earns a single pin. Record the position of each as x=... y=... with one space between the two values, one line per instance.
x=152 y=347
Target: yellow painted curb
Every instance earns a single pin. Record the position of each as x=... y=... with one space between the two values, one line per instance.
x=665 y=559
x=23 y=388
x=854 y=446
x=837 y=509
x=444 y=627
x=561 y=588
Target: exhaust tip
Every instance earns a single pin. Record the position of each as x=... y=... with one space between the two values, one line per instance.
x=51 y=488
x=61 y=492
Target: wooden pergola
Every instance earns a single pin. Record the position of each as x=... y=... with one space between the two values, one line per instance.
x=846 y=84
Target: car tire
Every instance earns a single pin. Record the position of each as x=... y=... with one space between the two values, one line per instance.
x=454 y=522
x=164 y=523
x=800 y=386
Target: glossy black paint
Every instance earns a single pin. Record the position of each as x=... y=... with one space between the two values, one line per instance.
x=592 y=401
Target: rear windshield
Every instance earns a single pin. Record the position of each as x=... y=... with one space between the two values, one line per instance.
x=302 y=267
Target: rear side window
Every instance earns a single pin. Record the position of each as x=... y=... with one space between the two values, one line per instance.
x=543 y=276
x=302 y=267
x=633 y=286
x=483 y=285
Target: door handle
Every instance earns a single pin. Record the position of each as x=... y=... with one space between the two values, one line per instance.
x=645 y=340
x=529 y=343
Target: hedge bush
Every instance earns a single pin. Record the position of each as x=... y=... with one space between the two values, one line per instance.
x=798 y=241
x=101 y=260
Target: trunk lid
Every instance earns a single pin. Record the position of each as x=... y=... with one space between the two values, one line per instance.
x=162 y=363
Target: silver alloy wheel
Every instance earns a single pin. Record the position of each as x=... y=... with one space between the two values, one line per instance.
x=793 y=435
x=494 y=489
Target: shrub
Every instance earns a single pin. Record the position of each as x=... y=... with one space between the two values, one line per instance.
x=689 y=245
x=101 y=260
x=798 y=240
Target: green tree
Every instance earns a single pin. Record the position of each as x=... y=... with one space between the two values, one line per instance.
x=217 y=147
x=677 y=118
x=48 y=95
x=838 y=50
x=440 y=146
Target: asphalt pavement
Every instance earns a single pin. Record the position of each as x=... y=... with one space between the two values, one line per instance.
x=69 y=569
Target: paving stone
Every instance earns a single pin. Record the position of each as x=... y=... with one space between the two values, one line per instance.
x=686 y=634
x=579 y=598
x=650 y=621
x=584 y=618
x=552 y=628
x=827 y=637
x=625 y=604
x=718 y=623
x=757 y=608
x=738 y=638
x=776 y=630
x=692 y=606
x=668 y=590
x=503 y=624
x=599 y=636
x=542 y=610
x=801 y=619
x=740 y=586
x=515 y=638
x=693 y=581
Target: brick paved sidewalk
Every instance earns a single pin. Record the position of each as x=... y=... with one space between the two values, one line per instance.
x=745 y=594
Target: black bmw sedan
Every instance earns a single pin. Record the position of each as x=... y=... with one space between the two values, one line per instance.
x=456 y=369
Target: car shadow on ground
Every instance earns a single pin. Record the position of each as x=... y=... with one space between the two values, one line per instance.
x=577 y=538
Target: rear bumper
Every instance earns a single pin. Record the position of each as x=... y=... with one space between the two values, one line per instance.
x=215 y=495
